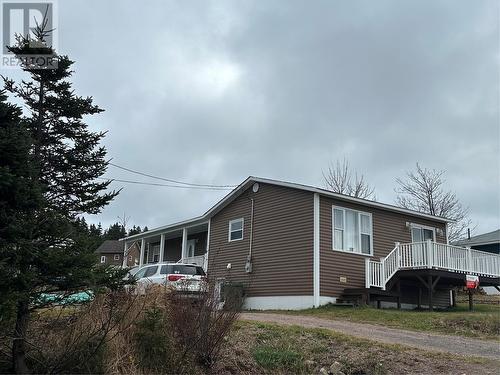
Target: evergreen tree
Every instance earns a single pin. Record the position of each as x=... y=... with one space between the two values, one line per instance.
x=51 y=182
x=115 y=232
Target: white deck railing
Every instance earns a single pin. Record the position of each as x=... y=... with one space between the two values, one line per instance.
x=199 y=260
x=431 y=255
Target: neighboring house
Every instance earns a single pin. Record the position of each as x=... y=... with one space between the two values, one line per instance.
x=296 y=246
x=489 y=242
x=112 y=252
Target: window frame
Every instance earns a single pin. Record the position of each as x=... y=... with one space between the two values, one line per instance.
x=116 y=257
x=422 y=227
x=103 y=259
x=360 y=232
x=231 y=222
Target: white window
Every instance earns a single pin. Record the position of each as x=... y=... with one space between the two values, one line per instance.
x=421 y=233
x=116 y=257
x=352 y=231
x=236 y=230
x=103 y=258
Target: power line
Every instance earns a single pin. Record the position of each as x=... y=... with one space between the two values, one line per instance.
x=226 y=187
x=164 y=185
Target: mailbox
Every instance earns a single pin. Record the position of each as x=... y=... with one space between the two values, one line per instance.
x=471 y=281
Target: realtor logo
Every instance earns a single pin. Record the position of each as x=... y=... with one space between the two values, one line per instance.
x=21 y=18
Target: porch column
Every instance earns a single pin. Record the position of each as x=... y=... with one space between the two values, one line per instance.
x=162 y=246
x=205 y=260
x=184 y=244
x=143 y=247
x=124 y=262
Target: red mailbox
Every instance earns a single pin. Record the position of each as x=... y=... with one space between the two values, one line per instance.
x=471 y=281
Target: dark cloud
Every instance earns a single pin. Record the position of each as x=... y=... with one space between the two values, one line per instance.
x=213 y=92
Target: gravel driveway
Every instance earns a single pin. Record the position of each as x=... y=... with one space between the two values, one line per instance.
x=427 y=341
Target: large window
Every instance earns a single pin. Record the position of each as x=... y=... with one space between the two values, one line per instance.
x=236 y=230
x=352 y=231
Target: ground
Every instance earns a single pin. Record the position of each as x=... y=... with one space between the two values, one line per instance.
x=380 y=334
x=257 y=348
x=482 y=323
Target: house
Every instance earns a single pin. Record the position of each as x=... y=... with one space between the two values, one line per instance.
x=489 y=242
x=111 y=252
x=295 y=246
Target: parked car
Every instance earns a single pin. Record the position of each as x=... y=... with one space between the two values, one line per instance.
x=179 y=276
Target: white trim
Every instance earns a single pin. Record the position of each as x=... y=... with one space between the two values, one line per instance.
x=344 y=209
x=231 y=222
x=103 y=258
x=116 y=257
x=316 y=249
x=284 y=302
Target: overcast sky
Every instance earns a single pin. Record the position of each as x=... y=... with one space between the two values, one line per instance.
x=215 y=91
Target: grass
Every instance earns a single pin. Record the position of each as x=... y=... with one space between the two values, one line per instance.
x=484 y=322
x=263 y=348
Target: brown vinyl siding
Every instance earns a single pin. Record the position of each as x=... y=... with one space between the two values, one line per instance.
x=282 y=251
x=388 y=227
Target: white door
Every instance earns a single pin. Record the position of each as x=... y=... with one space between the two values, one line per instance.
x=191 y=245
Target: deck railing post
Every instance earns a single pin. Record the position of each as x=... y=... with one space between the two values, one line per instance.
x=428 y=249
x=367 y=273
x=398 y=256
x=382 y=273
x=469 y=267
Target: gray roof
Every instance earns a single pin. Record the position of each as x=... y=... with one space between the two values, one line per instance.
x=110 y=247
x=481 y=239
x=250 y=180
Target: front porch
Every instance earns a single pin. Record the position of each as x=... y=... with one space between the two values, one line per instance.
x=186 y=244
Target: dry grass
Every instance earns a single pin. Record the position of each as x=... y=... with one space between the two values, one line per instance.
x=260 y=348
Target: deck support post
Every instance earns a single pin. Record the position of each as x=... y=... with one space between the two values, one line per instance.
x=419 y=300
x=454 y=297
x=431 y=290
x=471 y=300
x=398 y=301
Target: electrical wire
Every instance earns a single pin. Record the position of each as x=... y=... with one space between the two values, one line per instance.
x=225 y=187
x=164 y=185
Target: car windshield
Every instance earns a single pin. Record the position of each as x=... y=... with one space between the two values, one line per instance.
x=182 y=269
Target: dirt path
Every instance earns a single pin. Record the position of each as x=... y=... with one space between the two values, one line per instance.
x=427 y=341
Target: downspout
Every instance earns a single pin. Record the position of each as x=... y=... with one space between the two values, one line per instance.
x=248 y=264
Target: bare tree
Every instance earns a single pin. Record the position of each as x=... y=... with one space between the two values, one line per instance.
x=340 y=178
x=424 y=190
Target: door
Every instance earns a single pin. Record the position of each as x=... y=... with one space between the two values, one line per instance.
x=191 y=245
x=421 y=234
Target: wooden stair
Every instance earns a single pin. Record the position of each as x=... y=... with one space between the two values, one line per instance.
x=364 y=296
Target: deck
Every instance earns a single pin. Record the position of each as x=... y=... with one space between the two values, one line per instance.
x=431 y=256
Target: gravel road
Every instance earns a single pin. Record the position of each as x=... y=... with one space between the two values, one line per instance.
x=428 y=341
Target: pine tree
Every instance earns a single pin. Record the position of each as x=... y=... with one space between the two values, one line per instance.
x=115 y=232
x=53 y=180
